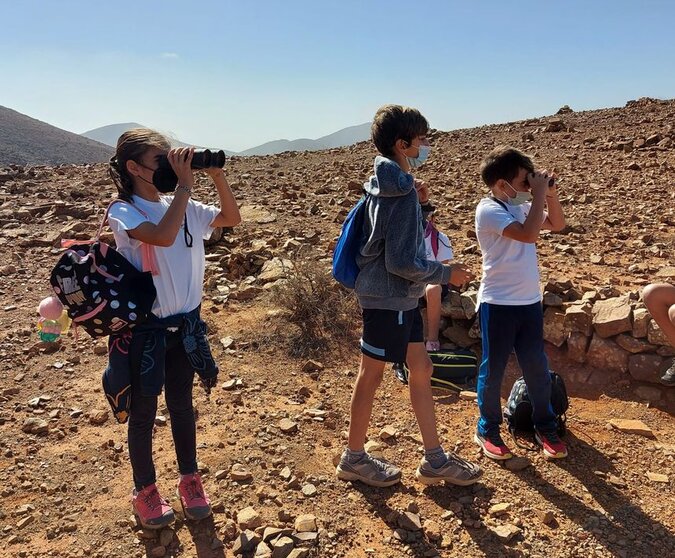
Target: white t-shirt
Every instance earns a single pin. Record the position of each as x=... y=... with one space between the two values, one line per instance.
x=510 y=267
x=444 y=248
x=181 y=269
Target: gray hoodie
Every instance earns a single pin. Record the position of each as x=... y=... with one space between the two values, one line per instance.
x=393 y=266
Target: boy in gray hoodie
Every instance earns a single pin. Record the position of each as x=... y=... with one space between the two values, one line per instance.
x=393 y=275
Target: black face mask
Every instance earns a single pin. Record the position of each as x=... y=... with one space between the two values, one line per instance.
x=163 y=178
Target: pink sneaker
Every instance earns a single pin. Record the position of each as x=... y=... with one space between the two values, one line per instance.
x=552 y=445
x=152 y=511
x=193 y=498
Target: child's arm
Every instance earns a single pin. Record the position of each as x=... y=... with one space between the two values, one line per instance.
x=528 y=231
x=164 y=233
x=555 y=219
x=229 y=211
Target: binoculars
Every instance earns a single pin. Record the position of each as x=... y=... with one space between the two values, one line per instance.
x=202 y=159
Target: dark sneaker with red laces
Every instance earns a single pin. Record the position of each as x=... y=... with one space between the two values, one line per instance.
x=553 y=446
x=193 y=498
x=493 y=446
x=152 y=511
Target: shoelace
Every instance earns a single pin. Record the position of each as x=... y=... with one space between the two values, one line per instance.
x=193 y=489
x=461 y=463
x=379 y=464
x=152 y=499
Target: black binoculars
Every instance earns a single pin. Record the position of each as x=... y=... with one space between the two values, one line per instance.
x=201 y=159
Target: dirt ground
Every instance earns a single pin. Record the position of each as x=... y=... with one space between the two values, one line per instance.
x=66 y=491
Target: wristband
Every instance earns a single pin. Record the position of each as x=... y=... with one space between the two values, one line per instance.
x=187 y=190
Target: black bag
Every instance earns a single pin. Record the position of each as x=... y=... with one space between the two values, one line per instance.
x=101 y=290
x=518 y=410
x=455 y=370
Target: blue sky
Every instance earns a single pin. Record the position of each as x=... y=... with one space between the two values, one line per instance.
x=237 y=74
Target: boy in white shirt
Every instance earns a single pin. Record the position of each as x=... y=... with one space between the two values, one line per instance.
x=438 y=249
x=509 y=299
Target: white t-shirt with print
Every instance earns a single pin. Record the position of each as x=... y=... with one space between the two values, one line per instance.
x=510 y=267
x=181 y=269
x=444 y=248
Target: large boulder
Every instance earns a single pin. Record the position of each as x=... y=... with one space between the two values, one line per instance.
x=577 y=345
x=612 y=316
x=633 y=345
x=452 y=306
x=578 y=318
x=647 y=367
x=604 y=353
x=554 y=326
x=655 y=334
x=641 y=319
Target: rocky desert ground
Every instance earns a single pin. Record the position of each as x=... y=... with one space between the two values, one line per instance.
x=269 y=434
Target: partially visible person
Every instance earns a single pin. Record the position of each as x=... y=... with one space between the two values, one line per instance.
x=393 y=272
x=660 y=301
x=158 y=213
x=438 y=249
x=521 y=204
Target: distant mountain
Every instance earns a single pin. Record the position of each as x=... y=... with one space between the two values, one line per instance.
x=346 y=136
x=109 y=135
x=27 y=141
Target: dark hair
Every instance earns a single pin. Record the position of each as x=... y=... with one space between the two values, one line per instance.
x=504 y=163
x=131 y=146
x=394 y=122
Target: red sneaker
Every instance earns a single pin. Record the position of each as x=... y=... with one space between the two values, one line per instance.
x=493 y=446
x=193 y=498
x=152 y=511
x=553 y=446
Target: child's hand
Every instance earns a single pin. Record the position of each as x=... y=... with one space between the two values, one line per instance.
x=422 y=191
x=214 y=172
x=180 y=159
x=538 y=182
x=460 y=275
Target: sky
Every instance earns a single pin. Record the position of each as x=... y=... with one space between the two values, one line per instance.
x=237 y=74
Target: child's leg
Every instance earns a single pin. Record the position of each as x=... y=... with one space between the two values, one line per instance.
x=421 y=397
x=529 y=346
x=433 y=296
x=660 y=300
x=142 y=413
x=367 y=382
x=178 y=395
x=498 y=329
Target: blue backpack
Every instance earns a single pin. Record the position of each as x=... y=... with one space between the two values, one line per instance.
x=345 y=269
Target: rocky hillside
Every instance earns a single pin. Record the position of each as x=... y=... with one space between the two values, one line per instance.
x=27 y=141
x=270 y=432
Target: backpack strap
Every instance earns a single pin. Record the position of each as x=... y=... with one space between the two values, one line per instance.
x=432 y=231
x=149 y=261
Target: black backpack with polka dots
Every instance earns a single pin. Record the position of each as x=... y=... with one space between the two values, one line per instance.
x=101 y=290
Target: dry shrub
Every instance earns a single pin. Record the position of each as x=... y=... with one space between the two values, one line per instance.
x=322 y=313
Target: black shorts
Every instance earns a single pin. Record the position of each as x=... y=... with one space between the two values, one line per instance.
x=386 y=333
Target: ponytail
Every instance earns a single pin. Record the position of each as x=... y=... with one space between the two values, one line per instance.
x=122 y=180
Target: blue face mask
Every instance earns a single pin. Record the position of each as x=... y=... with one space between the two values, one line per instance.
x=422 y=155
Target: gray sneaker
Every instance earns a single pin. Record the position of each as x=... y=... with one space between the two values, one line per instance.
x=369 y=470
x=668 y=379
x=456 y=471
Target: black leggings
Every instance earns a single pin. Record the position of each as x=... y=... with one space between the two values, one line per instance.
x=178 y=396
